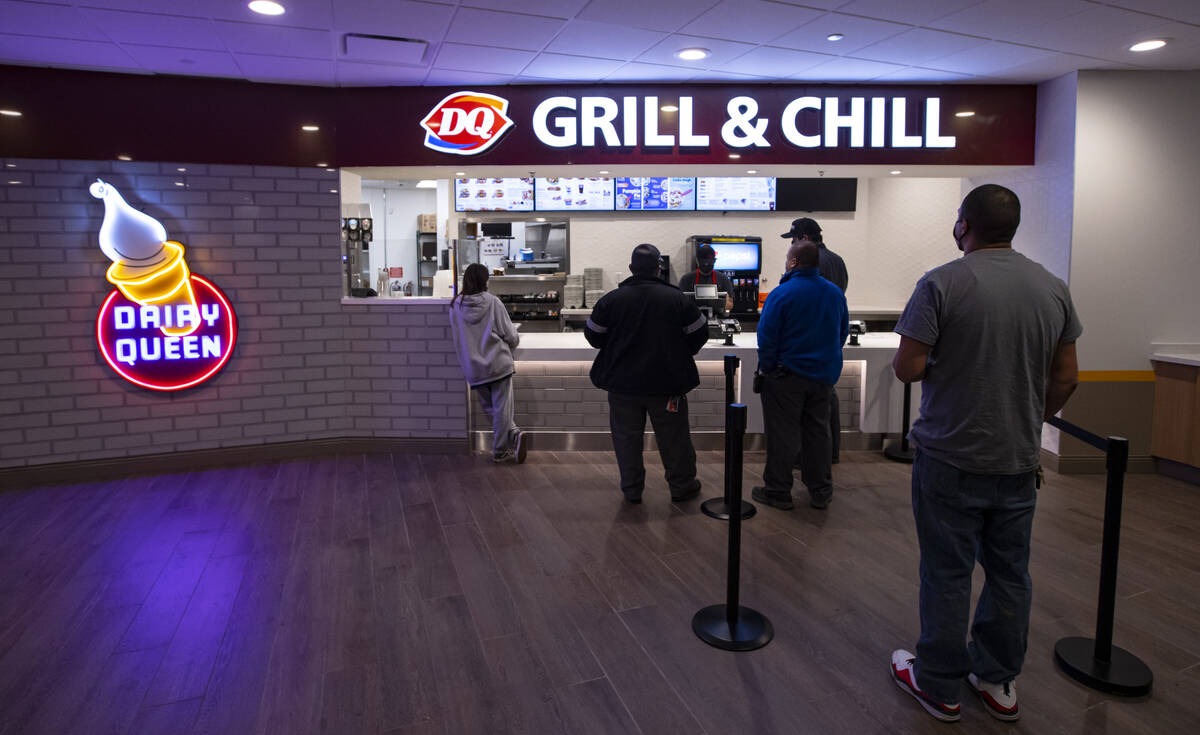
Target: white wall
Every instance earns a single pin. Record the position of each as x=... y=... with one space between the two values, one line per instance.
x=396 y=225
x=898 y=232
x=1135 y=257
x=1047 y=188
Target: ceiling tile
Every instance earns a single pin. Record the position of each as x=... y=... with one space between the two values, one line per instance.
x=636 y=71
x=1179 y=53
x=563 y=66
x=858 y=32
x=916 y=12
x=989 y=58
x=255 y=38
x=749 y=20
x=1184 y=10
x=170 y=60
x=1049 y=68
x=846 y=69
x=161 y=30
x=918 y=46
x=464 y=79
x=353 y=73
x=392 y=18
x=727 y=76
x=482 y=58
x=263 y=68
x=917 y=74
x=38 y=19
x=1082 y=29
x=723 y=52
x=514 y=31
x=551 y=8
x=1002 y=18
x=604 y=40
x=372 y=50
x=662 y=15
x=193 y=8
x=820 y=4
x=65 y=52
x=766 y=61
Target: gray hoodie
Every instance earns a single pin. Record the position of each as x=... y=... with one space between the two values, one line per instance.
x=484 y=338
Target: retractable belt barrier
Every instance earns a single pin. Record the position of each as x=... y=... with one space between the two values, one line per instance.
x=1097 y=662
x=731 y=626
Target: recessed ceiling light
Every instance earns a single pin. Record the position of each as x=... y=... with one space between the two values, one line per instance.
x=965 y=113
x=460 y=173
x=751 y=170
x=426 y=184
x=181 y=169
x=10 y=113
x=539 y=219
x=333 y=191
x=693 y=54
x=14 y=182
x=735 y=155
x=669 y=108
x=1148 y=45
x=10 y=165
x=310 y=128
x=834 y=37
x=266 y=7
x=896 y=171
x=602 y=172
x=123 y=157
x=178 y=183
x=322 y=165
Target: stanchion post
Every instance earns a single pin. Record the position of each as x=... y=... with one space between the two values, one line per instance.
x=719 y=507
x=1097 y=662
x=732 y=627
x=731 y=366
x=903 y=453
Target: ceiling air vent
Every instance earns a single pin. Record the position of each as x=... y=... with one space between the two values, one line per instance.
x=387 y=49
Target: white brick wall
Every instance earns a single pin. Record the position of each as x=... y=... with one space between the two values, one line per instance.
x=305 y=367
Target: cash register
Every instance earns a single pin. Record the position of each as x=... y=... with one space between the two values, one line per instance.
x=712 y=305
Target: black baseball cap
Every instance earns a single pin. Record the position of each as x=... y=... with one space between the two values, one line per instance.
x=803 y=226
x=645 y=259
x=705 y=252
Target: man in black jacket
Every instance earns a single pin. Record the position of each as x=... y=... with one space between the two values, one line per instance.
x=647 y=332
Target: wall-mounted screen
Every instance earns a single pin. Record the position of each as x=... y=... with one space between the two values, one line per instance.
x=561 y=194
x=735 y=193
x=656 y=193
x=816 y=195
x=493 y=195
x=736 y=256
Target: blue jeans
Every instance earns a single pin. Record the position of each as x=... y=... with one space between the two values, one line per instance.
x=963 y=517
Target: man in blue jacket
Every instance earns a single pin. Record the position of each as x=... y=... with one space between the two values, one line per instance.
x=803 y=326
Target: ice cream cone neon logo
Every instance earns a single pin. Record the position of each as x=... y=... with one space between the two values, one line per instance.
x=466 y=123
x=163 y=327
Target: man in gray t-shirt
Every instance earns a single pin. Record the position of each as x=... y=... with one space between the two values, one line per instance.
x=991 y=336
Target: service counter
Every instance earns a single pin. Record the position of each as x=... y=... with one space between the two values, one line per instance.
x=555 y=396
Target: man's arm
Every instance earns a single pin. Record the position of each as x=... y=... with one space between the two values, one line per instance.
x=596 y=329
x=1063 y=378
x=695 y=326
x=910 y=359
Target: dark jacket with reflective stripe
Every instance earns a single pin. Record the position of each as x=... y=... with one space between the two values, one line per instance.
x=647 y=332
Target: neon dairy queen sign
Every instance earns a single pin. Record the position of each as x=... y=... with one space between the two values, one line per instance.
x=163 y=327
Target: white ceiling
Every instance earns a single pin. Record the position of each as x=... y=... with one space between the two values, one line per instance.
x=475 y=42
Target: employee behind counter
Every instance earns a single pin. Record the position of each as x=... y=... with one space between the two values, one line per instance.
x=706 y=258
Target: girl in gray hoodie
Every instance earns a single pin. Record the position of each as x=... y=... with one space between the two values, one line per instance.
x=484 y=338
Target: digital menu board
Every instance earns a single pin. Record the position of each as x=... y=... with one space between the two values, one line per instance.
x=555 y=194
x=735 y=193
x=493 y=195
x=660 y=193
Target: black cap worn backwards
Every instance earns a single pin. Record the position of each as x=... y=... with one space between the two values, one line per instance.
x=803 y=226
x=645 y=259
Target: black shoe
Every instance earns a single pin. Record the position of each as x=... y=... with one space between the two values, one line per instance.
x=686 y=494
x=837 y=460
x=820 y=503
x=522 y=447
x=760 y=494
x=633 y=501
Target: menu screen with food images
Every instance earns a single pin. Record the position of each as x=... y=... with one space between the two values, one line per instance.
x=576 y=194
x=656 y=193
x=493 y=195
x=735 y=193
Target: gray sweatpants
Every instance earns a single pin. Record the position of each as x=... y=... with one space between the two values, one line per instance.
x=497 y=400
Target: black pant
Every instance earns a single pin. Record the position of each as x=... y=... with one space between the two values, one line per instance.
x=796 y=417
x=835 y=427
x=627 y=418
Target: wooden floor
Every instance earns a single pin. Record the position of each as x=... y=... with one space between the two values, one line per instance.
x=442 y=594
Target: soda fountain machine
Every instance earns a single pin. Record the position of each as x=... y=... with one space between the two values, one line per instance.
x=739 y=257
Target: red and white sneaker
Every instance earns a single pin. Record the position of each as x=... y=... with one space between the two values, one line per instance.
x=1000 y=700
x=902 y=674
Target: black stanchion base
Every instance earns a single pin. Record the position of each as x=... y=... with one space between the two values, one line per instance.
x=753 y=629
x=716 y=508
x=1125 y=675
x=895 y=452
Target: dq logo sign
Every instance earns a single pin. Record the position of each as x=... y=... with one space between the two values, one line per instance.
x=466 y=123
x=162 y=328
